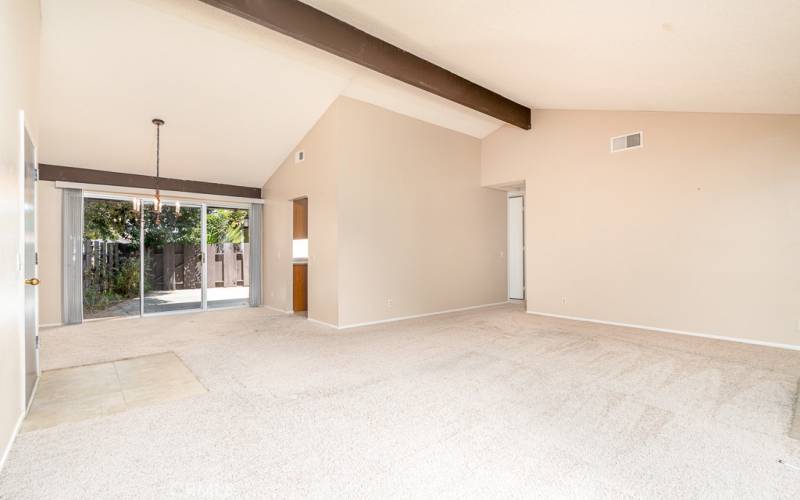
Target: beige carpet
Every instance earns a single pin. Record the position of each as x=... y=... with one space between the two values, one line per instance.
x=485 y=403
x=794 y=431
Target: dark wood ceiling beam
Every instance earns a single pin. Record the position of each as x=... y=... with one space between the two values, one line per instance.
x=314 y=27
x=106 y=178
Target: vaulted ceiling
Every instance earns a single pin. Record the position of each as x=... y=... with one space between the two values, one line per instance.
x=739 y=56
x=237 y=97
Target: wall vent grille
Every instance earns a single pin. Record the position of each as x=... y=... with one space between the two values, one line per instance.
x=626 y=142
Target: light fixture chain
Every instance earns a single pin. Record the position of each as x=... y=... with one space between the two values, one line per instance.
x=157 y=206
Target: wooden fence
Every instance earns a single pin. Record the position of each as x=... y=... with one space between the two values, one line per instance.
x=101 y=261
x=229 y=265
x=170 y=267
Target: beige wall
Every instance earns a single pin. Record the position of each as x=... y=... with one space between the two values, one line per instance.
x=48 y=213
x=19 y=60
x=396 y=213
x=315 y=178
x=415 y=226
x=698 y=231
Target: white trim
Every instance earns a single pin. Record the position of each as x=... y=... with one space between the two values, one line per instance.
x=52 y=325
x=667 y=330
x=174 y=195
x=323 y=323
x=33 y=393
x=11 y=440
x=403 y=318
x=18 y=426
x=278 y=310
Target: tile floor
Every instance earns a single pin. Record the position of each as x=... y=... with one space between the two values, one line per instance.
x=83 y=392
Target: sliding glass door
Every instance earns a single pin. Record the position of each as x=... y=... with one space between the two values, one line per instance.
x=111 y=258
x=228 y=263
x=139 y=260
x=172 y=257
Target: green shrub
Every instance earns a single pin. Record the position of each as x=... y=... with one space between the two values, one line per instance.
x=126 y=279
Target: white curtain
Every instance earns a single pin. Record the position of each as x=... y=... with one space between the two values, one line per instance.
x=72 y=256
x=256 y=236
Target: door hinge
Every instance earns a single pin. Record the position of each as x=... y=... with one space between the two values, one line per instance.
x=37 y=341
x=36 y=258
x=36 y=174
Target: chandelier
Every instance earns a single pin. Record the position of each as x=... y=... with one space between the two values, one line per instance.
x=157 y=204
x=158 y=122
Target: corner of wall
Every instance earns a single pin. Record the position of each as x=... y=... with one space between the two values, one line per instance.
x=20 y=25
x=316 y=177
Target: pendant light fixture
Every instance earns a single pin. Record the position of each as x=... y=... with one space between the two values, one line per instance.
x=158 y=122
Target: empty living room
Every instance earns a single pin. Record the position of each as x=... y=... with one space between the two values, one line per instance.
x=399 y=249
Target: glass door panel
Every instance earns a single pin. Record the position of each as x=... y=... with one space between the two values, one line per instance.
x=110 y=258
x=172 y=257
x=228 y=262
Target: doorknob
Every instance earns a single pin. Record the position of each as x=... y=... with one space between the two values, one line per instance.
x=32 y=281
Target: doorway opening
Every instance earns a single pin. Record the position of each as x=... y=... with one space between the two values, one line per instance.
x=300 y=256
x=516 y=245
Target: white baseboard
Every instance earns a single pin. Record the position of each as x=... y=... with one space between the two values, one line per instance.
x=278 y=310
x=51 y=325
x=403 y=318
x=330 y=325
x=666 y=330
x=18 y=426
x=11 y=440
x=33 y=392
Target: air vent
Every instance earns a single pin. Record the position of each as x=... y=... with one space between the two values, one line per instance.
x=626 y=142
x=299 y=156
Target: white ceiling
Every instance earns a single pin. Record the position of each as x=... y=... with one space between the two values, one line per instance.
x=236 y=97
x=671 y=55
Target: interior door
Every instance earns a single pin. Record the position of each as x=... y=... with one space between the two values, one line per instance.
x=31 y=295
x=516 y=252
